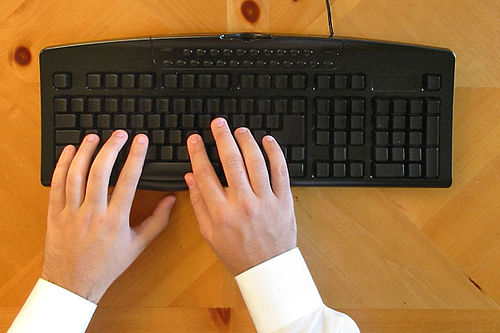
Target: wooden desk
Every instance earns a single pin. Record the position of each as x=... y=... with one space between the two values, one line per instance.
x=397 y=260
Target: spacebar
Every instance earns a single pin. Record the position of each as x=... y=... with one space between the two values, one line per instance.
x=165 y=171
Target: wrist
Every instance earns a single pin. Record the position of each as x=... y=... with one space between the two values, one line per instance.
x=88 y=290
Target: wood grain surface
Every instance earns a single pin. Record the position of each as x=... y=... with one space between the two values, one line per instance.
x=396 y=260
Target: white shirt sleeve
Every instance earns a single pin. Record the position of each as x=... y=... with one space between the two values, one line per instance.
x=281 y=297
x=53 y=309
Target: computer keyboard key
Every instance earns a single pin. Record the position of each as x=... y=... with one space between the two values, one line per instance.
x=230 y=105
x=213 y=105
x=415 y=154
x=187 y=81
x=281 y=81
x=398 y=122
x=103 y=120
x=272 y=121
x=171 y=121
x=179 y=105
x=77 y=104
x=339 y=170
x=323 y=82
x=158 y=137
x=86 y=121
x=398 y=154
x=298 y=81
x=339 y=153
x=340 y=81
x=162 y=171
x=65 y=120
x=128 y=105
x=415 y=138
x=151 y=153
x=432 y=82
x=416 y=123
x=60 y=105
x=207 y=137
x=339 y=137
x=154 y=121
x=128 y=81
x=358 y=82
x=146 y=81
x=323 y=122
x=298 y=153
x=247 y=81
x=395 y=170
x=67 y=137
x=296 y=170
x=166 y=153
x=356 y=138
x=110 y=81
x=182 y=153
x=258 y=135
x=204 y=121
x=357 y=105
x=382 y=138
x=222 y=81
x=399 y=106
x=174 y=136
x=381 y=154
x=322 y=169
x=264 y=81
x=145 y=105
x=94 y=105
x=398 y=138
x=255 y=121
x=416 y=106
x=62 y=80
x=340 y=105
x=322 y=138
x=432 y=131
x=339 y=122
x=238 y=120
x=136 y=121
x=205 y=81
x=356 y=170
x=323 y=106
x=94 y=81
x=414 y=170
x=187 y=121
x=431 y=162
x=382 y=106
x=247 y=105
x=432 y=105
x=170 y=81
x=111 y=105
x=298 y=105
x=281 y=105
x=357 y=122
x=162 y=105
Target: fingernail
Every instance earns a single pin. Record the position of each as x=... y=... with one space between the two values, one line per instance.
x=141 y=139
x=189 y=181
x=219 y=122
x=91 y=137
x=241 y=130
x=194 y=138
x=120 y=134
x=268 y=138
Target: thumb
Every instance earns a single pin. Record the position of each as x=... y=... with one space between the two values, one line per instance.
x=155 y=223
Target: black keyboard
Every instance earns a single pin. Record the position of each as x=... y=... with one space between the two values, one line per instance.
x=346 y=112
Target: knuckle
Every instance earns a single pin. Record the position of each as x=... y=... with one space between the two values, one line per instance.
x=204 y=171
x=234 y=161
x=248 y=208
x=99 y=174
x=128 y=179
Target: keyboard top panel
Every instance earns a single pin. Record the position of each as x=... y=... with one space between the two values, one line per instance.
x=346 y=112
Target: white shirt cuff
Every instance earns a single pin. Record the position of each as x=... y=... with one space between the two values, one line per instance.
x=51 y=308
x=279 y=291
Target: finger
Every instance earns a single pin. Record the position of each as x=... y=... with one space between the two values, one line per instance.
x=277 y=163
x=125 y=187
x=78 y=171
x=154 y=224
x=98 y=181
x=254 y=161
x=230 y=156
x=199 y=206
x=57 y=198
x=203 y=171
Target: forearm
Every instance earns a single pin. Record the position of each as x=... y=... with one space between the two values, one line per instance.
x=50 y=308
x=281 y=297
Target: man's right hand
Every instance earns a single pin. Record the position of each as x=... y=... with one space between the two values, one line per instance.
x=250 y=221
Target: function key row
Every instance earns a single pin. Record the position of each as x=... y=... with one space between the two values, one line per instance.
x=340 y=81
x=120 y=80
x=180 y=105
x=405 y=106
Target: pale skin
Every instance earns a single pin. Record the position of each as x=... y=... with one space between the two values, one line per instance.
x=90 y=242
